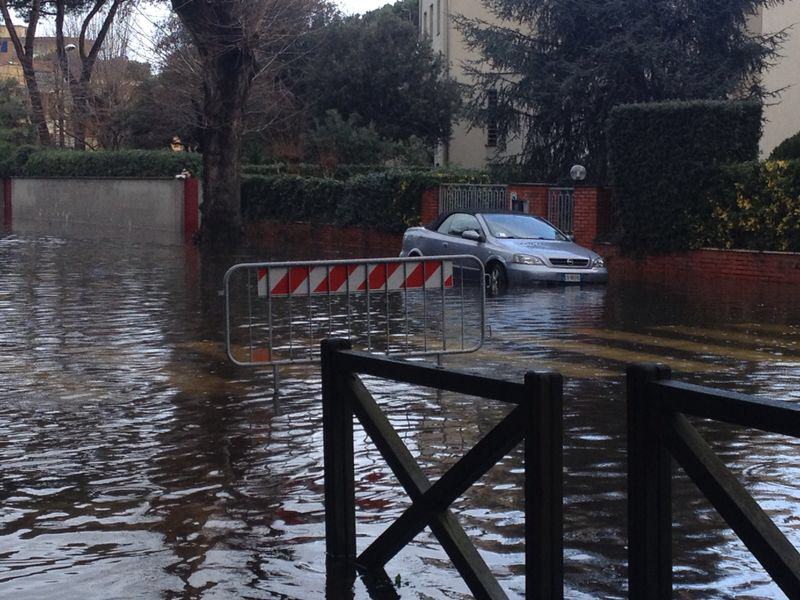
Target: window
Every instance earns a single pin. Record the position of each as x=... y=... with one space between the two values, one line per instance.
x=430 y=28
x=425 y=23
x=458 y=223
x=491 y=118
x=438 y=17
x=3 y=46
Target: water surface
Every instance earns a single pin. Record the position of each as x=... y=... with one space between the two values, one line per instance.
x=136 y=461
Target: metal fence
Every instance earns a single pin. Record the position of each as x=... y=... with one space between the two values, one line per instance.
x=473 y=197
x=561 y=207
x=277 y=313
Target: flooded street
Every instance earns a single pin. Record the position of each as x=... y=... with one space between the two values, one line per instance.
x=137 y=462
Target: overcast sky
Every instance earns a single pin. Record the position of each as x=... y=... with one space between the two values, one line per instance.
x=360 y=6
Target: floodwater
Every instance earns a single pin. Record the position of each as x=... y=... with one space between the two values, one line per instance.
x=137 y=462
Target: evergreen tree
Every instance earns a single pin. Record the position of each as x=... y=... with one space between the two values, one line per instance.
x=559 y=66
x=377 y=67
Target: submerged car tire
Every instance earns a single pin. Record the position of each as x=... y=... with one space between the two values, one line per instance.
x=496 y=280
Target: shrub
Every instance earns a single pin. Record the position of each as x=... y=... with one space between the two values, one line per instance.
x=665 y=157
x=122 y=163
x=290 y=198
x=788 y=149
x=754 y=206
x=388 y=200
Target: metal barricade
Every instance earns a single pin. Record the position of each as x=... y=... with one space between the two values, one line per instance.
x=277 y=313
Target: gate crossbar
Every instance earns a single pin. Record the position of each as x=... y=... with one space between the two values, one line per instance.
x=536 y=418
x=657 y=429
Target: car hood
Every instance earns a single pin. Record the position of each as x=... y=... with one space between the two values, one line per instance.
x=547 y=248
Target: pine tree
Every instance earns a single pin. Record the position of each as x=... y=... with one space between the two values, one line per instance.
x=559 y=66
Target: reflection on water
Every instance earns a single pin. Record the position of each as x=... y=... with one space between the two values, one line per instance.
x=137 y=462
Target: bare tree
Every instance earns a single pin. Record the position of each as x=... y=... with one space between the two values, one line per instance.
x=25 y=52
x=88 y=51
x=236 y=42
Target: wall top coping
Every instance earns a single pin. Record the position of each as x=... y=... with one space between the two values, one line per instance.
x=721 y=250
x=96 y=178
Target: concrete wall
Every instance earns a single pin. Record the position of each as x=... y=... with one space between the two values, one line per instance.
x=142 y=209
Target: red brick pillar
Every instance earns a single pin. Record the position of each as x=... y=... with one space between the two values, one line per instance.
x=591 y=214
x=6 y=184
x=191 y=208
x=429 y=205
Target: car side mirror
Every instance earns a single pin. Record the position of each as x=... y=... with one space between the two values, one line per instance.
x=471 y=234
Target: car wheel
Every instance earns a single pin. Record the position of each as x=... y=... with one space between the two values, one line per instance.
x=495 y=279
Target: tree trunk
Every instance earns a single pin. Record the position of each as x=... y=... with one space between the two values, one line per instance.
x=81 y=107
x=37 y=107
x=25 y=56
x=226 y=82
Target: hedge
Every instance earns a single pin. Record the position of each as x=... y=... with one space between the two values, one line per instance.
x=754 y=206
x=388 y=201
x=121 y=163
x=664 y=158
x=34 y=161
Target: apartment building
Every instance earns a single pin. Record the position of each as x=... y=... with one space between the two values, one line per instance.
x=475 y=146
x=782 y=114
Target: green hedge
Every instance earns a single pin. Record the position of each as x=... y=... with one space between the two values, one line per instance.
x=754 y=206
x=388 y=201
x=34 y=161
x=664 y=158
x=122 y=163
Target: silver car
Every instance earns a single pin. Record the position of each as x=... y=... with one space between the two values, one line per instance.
x=515 y=248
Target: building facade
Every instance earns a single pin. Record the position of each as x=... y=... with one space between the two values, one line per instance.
x=474 y=146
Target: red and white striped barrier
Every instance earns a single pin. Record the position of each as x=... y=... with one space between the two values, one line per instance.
x=340 y=279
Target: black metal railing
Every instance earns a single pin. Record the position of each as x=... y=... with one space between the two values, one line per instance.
x=658 y=430
x=561 y=207
x=536 y=419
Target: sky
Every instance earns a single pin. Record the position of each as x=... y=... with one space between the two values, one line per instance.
x=360 y=6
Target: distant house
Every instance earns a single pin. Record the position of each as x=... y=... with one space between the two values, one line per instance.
x=473 y=146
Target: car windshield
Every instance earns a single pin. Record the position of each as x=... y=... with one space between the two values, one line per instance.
x=522 y=227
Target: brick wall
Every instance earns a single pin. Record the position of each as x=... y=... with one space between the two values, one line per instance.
x=317 y=241
x=429 y=205
x=534 y=194
x=740 y=265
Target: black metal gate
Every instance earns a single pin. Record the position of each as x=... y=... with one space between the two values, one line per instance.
x=561 y=207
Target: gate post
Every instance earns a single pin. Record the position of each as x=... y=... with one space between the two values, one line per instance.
x=337 y=432
x=649 y=492
x=544 y=538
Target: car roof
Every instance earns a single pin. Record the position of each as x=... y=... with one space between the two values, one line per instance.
x=434 y=225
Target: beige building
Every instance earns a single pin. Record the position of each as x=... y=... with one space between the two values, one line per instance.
x=9 y=65
x=469 y=146
x=782 y=114
x=474 y=146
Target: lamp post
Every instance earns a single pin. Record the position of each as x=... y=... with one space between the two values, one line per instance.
x=69 y=48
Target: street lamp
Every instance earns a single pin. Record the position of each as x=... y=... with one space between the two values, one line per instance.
x=69 y=48
x=577 y=173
